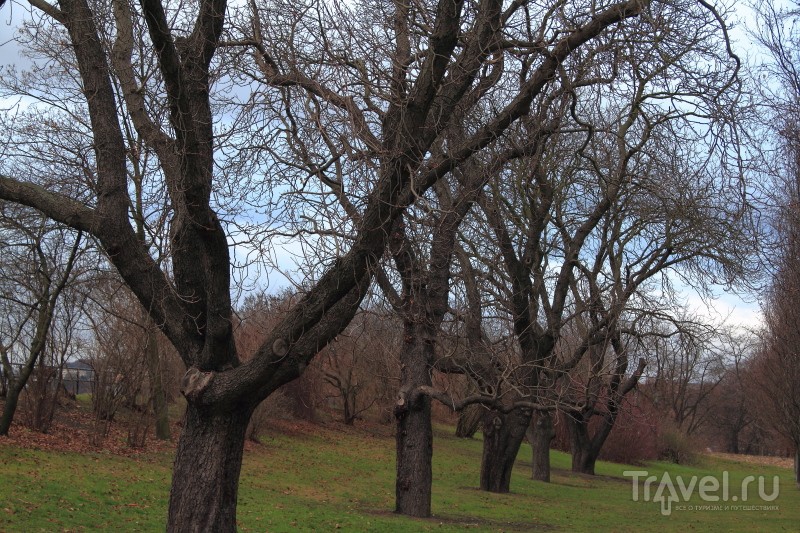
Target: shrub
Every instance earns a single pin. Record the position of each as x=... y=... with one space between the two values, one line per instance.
x=675 y=447
x=635 y=436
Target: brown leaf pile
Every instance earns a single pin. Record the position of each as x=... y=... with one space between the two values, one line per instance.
x=75 y=429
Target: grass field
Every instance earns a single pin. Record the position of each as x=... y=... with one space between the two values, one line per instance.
x=318 y=478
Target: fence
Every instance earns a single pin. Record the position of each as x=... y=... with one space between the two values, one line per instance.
x=73 y=380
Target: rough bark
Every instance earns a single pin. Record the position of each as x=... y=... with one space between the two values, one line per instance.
x=414 y=430
x=542 y=435
x=424 y=303
x=205 y=477
x=502 y=437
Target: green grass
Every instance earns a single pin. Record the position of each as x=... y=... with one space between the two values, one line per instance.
x=50 y=491
x=345 y=480
x=84 y=399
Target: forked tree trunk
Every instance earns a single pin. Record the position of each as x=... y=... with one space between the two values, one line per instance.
x=414 y=431
x=205 y=477
x=543 y=434
x=502 y=437
x=584 y=455
x=585 y=447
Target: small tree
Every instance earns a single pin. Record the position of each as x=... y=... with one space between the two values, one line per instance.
x=38 y=266
x=358 y=367
x=44 y=391
x=687 y=368
x=603 y=395
x=117 y=358
x=731 y=410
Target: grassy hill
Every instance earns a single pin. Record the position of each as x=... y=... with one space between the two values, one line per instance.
x=307 y=477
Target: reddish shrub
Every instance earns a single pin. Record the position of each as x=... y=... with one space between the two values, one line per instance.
x=635 y=436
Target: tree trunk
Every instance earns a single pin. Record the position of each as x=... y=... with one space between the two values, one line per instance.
x=414 y=431
x=733 y=442
x=156 y=384
x=3 y=383
x=12 y=398
x=348 y=415
x=543 y=434
x=502 y=437
x=584 y=455
x=469 y=420
x=205 y=477
x=15 y=387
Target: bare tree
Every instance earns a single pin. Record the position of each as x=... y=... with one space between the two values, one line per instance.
x=733 y=413
x=351 y=102
x=495 y=60
x=39 y=265
x=360 y=366
x=123 y=350
x=776 y=368
x=604 y=393
x=777 y=364
x=687 y=367
x=597 y=214
x=188 y=296
x=44 y=391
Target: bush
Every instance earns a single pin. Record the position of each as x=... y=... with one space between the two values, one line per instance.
x=676 y=447
x=634 y=438
x=40 y=398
